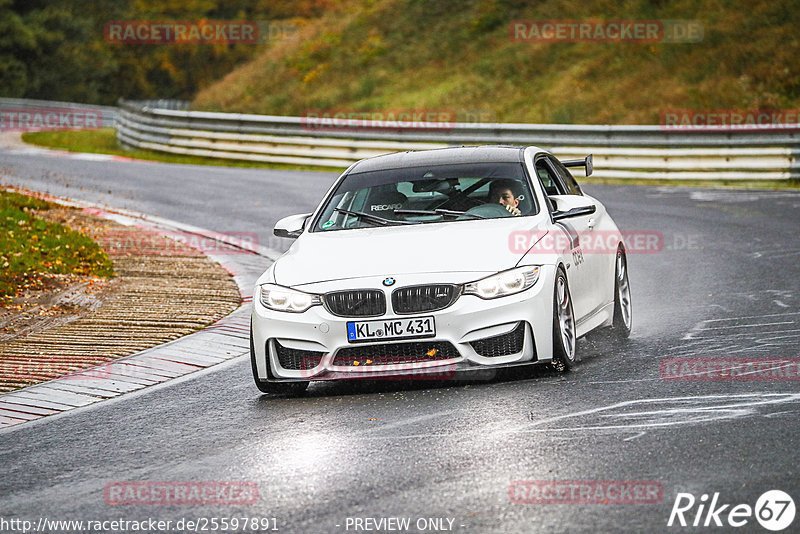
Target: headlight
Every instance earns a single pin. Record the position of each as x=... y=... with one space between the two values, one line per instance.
x=285 y=299
x=505 y=283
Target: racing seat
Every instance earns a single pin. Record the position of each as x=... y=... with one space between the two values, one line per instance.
x=525 y=205
x=383 y=200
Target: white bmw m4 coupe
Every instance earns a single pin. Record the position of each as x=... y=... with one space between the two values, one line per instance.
x=439 y=262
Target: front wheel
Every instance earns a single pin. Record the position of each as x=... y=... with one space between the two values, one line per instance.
x=623 y=310
x=564 y=339
x=277 y=388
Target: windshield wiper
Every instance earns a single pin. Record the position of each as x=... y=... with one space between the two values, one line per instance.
x=373 y=218
x=439 y=211
x=459 y=213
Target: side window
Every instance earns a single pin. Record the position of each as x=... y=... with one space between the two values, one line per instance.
x=548 y=178
x=567 y=179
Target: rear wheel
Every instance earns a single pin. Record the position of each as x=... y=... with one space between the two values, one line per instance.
x=623 y=310
x=277 y=388
x=564 y=339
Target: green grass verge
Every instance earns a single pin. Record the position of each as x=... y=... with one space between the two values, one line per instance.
x=32 y=246
x=104 y=141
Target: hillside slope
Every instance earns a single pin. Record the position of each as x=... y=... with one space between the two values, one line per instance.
x=458 y=55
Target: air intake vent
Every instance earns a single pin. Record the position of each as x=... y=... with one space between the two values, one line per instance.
x=396 y=353
x=297 y=359
x=502 y=345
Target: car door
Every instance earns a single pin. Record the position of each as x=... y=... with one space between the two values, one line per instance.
x=597 y=245
x=570 y=231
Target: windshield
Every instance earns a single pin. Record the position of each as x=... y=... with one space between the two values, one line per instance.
x=428 y=195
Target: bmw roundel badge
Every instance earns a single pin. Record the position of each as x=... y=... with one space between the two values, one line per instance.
x=388 y=281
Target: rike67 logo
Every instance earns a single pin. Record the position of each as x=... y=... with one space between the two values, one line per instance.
x=774 y=510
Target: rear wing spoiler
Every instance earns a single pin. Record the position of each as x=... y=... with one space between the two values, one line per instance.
x=586 y=162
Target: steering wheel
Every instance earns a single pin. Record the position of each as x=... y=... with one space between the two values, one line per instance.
x=490 y=211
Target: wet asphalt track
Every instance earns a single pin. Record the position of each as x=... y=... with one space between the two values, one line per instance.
x=726 y=284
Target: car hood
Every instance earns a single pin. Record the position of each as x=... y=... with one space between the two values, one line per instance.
x=460 y=246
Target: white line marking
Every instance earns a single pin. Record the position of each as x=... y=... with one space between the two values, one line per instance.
x=743 y=326
x=640 y=434
x=749 y=317
x=704 y=413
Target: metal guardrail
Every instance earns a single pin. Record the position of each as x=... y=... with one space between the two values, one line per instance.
x=641 y=152
x=161 y=103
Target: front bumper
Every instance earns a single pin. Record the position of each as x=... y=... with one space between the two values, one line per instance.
x=472 y=334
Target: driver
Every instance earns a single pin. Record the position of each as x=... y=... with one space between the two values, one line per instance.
x=504 y=192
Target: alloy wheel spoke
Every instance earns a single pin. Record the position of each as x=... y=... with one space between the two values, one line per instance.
x=624 y=293
x=566 y=323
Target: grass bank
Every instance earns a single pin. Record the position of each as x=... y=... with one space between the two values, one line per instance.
x=32 y=247
x=104 y=141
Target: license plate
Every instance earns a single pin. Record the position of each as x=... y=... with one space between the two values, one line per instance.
x=412 y=327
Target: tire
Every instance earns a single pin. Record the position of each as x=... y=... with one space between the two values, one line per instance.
x=276 y=388
x=623 y=310
x=564 y=339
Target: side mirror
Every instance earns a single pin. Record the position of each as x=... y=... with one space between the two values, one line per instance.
x=571 y=206
x=291 y=226
x=574 y=212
